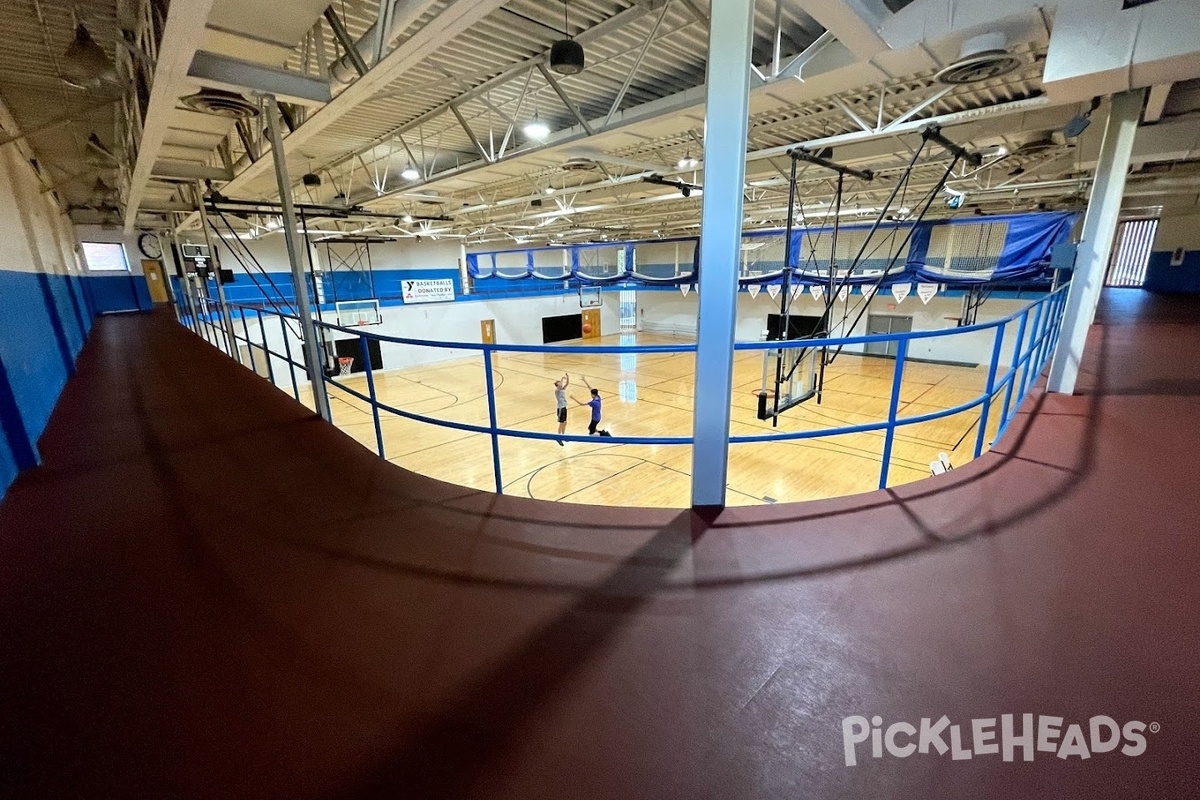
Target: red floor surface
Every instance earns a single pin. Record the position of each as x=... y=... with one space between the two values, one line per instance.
x=207 y=593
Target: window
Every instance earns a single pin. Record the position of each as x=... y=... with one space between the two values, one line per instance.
x=105 y=257
x=1131 y=253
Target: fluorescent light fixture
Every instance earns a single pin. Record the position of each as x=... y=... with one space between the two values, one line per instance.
x=410 y=173
x=407 y=218
x=549 y=190
x=536 y=129
x=1001 y=150
x=687 y=162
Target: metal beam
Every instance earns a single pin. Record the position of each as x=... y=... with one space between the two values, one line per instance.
x=457 y=17
x=1156 y=102
x=312 y=353
x=340 y=33
x=190 y=171
x=637 y=63
x=855 y=23
x=182 y=36
x=731 y=35
x=566 y=100
x=471 y=134
x=234 y=73
x=1096 y=240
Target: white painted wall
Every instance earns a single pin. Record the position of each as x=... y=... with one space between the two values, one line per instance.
x=518 y=321
x=38 y=235
x=673 y=313
x=1178 y=230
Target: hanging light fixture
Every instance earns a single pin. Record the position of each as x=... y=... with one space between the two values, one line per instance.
x=687 y=162
x=536 y=129
x=410 y=173
x=566 y=55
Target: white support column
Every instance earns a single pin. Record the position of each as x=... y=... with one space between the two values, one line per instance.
x=726 y=119
x=312 y=352
x=1099 y=229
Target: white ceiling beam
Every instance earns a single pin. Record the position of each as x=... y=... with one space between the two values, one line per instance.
x=456 y=18
x=182 y=35
x=1156 y=102
x=855 y=23
x=191 y=171
x=224 y=72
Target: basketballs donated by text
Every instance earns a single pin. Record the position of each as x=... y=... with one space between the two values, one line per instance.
x=1007 y=736
x=435 y=290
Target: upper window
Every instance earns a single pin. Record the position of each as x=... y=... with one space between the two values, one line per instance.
x=105 y=257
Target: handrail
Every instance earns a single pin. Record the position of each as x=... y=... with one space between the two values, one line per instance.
x=1039 y=323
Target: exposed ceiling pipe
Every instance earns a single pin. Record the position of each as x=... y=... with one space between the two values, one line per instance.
x=403 y=14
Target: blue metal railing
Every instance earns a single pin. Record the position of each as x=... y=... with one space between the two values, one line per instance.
x=1038 y=326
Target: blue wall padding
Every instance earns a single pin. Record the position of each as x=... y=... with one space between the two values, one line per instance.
x=43 y=325
x=1162 y=277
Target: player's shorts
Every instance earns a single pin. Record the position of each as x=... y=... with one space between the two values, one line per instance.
x=562 y=415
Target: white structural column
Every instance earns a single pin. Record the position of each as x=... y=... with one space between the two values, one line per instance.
x=312 y=352
x=1096 y=241
x=726 y=119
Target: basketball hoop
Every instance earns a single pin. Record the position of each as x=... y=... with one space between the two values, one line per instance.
x=344 y=365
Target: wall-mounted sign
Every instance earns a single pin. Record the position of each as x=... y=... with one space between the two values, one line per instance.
x=1177 y=257
x=437 y=290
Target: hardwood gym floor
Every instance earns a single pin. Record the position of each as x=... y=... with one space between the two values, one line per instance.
x=651 y=395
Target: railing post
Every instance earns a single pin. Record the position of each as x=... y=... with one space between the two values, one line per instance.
x=366 y=356
x=985 y=410
x=1014 y=367
x=287 y=348
x=893 y=410
x=266 y=350
x=1033 y=365
x=491 y=396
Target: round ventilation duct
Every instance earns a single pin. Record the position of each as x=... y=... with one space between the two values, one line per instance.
x=579 y=165
x=982 y=58
x=220 y=103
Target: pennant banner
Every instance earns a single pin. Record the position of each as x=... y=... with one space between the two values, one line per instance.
x=795 y=290
x=774 y=290
x=683 y=287
x=817 y=291
x=926 y=291
x=843 y=293
x=754 y=289
x=867 y=291
x=900 y=291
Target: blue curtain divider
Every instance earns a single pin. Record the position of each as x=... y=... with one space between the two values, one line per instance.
x=1025 y=255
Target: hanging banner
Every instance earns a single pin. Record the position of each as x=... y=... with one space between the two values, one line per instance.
x=926 y=291
x=774 y=289
x=795 y=290
x=437 y=290
x=817 y=291
x=900 y=291
x=843 y=293
x=683 y=287
x=867 y=291
x=754 y=289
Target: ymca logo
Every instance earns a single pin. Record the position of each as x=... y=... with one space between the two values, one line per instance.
x=902 y=739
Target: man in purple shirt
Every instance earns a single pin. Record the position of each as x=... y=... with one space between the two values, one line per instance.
x=594 y=404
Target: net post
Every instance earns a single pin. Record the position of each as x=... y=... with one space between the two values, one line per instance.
x=893 y=409
x=287 y=348
x=985 y=410
x=266 y=349
x=491 y=396
x=366 y=355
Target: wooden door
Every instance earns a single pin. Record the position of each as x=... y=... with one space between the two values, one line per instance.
x=487 y=331
x=156 y=282
x=591 y=323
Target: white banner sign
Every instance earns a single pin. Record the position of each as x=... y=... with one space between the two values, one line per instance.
x=774 y=289
x=843 y=293
x=867 y=291
x=684 y=287
x=900 y=291
x=817 y=291
x=428 y=291
x=754 y=289
x=926 y=291
x=795 y=290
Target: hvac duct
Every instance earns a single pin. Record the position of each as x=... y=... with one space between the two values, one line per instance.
x=403 y=13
